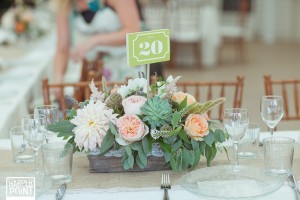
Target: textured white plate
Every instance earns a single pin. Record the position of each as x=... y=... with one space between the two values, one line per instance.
x=230 y=182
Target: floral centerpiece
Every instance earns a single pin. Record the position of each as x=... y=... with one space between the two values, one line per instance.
x=26 y=22
x=132 y=119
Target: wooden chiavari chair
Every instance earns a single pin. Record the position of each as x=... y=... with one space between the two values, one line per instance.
x=72 y=91
x=204 y=91
x=289 y=90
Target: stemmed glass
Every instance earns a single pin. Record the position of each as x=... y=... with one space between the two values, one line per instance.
x=51 y=113
x=271 y=110
x=35 y=132
x=235 y=121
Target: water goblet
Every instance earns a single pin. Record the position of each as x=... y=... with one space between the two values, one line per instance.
x=58 y=160
x=51 y=113
x=35 y=132
x=235 y=121
x=271 y=110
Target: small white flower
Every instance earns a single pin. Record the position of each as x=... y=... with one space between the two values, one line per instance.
x=133 y=86
x=96 y=95
x=92 y=123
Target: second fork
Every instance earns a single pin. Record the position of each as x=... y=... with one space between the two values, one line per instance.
x=165 y=185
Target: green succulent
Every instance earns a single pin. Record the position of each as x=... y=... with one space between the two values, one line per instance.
x=114 y=101
x=157 y=112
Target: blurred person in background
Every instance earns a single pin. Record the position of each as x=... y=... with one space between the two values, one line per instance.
x=104 y=24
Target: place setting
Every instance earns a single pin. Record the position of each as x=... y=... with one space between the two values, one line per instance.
x=243 y=181
x=32 y=145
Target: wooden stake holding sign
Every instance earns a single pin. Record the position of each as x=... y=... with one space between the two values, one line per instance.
x=148 y=47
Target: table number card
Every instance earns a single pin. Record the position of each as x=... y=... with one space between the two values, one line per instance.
x=148 y=47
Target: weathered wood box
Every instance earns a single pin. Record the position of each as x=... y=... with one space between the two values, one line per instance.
x=103 y=164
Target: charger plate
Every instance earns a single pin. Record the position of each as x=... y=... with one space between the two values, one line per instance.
x=230 y=182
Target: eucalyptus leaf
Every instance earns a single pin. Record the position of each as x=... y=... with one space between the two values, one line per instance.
x=139 y=162
x=113 y=129
x=197 y=154
x=220 y=136
x=65 y=135
x=128 y=150
x=210 y=153
x=126 y=164
x=64 y=126
x=136 y=146
x=185 y=159
x=173 y=164
x=183 y=104
x=130 y=161
x=184 y=137
x=192 y=157
x=209 y=139
x=175 y=119
x=167 y=157
x=176 y=146
x=195 y=144
x=164 y=146
x=143 y=157
x=146 y=145
x=107 y=143
x=72 y=113
x=202 y=146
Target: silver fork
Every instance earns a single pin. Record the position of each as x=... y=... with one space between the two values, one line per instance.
x=61 y=192
x=165 y=185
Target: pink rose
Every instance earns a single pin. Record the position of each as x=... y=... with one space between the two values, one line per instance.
x=132 y=105
x=130 y=129
x=196 y=126
x=180 y=96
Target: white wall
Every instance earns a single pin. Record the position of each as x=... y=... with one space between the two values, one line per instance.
x=277 y=20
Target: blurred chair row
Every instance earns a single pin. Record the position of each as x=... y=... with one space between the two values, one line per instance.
x=202 y=91
x=191 y=21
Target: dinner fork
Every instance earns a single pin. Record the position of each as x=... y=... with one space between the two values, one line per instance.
x=165 y=185
x=61 y=192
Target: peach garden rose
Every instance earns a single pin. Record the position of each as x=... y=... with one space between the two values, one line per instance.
x=132 y=105
x=130 y=128
x=196 y=126
x=180 y=96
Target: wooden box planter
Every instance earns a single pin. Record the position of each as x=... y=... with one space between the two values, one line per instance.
x=103 y=164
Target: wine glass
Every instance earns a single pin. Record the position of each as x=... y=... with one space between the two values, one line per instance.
x=35 y=132
x=235 y=121
x=271 y=110
x=51 y=113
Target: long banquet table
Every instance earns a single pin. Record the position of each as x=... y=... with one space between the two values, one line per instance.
x=26 y=65
x=136 y=185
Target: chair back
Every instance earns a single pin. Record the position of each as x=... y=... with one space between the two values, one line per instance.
x=204 y=91
x=69 y=92
x=289 y=90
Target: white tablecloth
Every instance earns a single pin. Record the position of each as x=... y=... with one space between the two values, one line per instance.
x=176 y=193
x=20 y=83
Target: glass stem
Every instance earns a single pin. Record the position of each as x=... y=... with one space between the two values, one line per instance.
x=272 y=131
x=236 y=152
x=36 y=159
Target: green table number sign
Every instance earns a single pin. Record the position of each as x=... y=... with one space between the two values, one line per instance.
x=148 y=47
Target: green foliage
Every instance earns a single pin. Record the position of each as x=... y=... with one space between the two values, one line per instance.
x=63 y=128
x=157 y=112
x=207 y=106
x=183 y=152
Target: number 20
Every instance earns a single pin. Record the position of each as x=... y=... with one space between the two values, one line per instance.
x=156 y=47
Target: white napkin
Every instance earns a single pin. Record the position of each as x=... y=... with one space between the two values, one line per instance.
x=176 y=193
